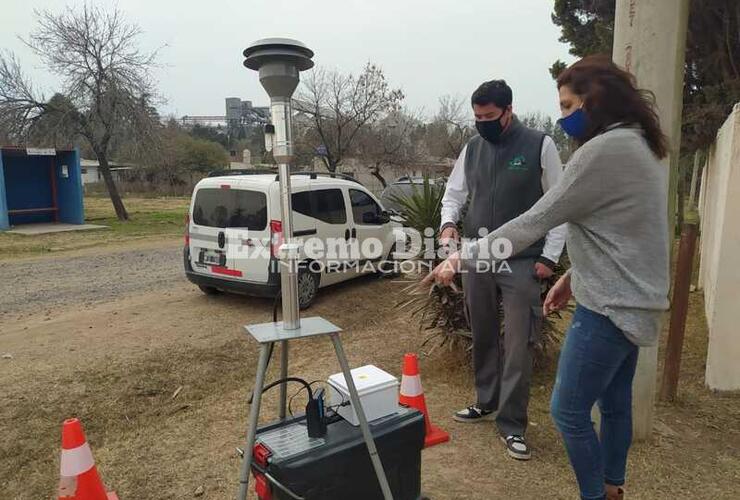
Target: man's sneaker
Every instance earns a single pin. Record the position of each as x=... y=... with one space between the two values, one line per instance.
x=516 y=447
x=473 y=414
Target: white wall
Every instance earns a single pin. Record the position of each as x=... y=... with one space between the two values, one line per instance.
x=719 y=272
x=91 y=175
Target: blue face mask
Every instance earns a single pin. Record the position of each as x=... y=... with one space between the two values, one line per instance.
x=575 y=124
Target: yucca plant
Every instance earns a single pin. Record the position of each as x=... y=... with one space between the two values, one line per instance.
x=440 y=310
x=423 y=207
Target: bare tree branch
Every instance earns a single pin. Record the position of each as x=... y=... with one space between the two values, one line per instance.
x=108 y=88
x=342 y=106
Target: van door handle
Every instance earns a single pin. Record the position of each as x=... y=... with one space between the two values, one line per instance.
x=354 y=232
x=346 y=234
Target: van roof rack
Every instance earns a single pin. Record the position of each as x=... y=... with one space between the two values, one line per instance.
x=221 y=173
x=311 y=174
x=333 y=175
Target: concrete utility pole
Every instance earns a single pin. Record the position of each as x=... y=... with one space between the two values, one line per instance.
x=650 y=42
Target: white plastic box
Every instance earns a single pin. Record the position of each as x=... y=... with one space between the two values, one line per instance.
x=377 y=389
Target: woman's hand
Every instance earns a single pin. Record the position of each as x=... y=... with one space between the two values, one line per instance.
x=558 y=296
x=445 y=272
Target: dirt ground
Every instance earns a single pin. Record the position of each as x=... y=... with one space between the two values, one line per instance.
x=111 y=335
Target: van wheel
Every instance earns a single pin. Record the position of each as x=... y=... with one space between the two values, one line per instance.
x=209 y=290
x=308 y=286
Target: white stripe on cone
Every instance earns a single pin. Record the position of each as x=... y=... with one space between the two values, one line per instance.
x=76 y=461
x=411 y=386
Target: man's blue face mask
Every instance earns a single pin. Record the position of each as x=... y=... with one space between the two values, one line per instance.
x=575 y=124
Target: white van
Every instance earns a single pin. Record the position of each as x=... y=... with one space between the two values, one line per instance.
x=234 y=230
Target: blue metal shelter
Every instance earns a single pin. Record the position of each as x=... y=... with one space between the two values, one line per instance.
x=40 y=185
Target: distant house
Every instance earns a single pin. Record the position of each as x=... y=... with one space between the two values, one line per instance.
x=91 y=174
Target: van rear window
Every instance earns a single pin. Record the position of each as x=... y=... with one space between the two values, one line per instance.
x=227 y=208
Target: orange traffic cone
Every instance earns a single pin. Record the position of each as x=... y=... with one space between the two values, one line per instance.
x=79 y=477
x=412 y=395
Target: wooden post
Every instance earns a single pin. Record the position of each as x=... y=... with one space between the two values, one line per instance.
x=679 y=308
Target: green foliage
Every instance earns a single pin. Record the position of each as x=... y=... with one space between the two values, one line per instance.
x=712 y=77
x=712 y=81
x=587 y=25
x=538 y=121
x=423 y=208
x=56 y=127
x=210 y=134
x=198 y=155
x=557 y=68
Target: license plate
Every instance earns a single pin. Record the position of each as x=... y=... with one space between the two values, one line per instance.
x=212 y=257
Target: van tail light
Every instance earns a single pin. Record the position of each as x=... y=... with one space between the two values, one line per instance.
x=276 y=236
x=187 y=229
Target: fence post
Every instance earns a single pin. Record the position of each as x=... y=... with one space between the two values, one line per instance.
x=679 y=308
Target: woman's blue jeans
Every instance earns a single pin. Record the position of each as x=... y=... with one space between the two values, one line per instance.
x=597 y=364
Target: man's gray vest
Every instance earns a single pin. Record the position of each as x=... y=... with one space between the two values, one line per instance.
x=504 y=180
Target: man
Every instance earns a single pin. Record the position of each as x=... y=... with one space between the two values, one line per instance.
x=502 y=172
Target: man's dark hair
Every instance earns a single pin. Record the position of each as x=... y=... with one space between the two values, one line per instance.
x=494 y=92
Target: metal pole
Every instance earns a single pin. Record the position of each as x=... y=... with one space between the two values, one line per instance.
x=355 y=399
x=254 y=414
x=679 y=308
x=283 y=153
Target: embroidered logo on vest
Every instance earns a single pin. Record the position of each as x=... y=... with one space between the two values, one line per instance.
x=518 y=163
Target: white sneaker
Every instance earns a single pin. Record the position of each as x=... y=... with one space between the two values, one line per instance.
x=474 y=414
x=517 y=447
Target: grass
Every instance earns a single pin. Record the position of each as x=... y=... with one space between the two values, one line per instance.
x=150 y=218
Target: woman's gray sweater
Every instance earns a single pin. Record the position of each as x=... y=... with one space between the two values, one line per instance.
x=613 y=195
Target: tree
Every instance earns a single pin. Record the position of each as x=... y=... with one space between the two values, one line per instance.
x=342 y=106
x=712 y=76
x=210 y=134
x=587 y=25
x=545 y=124
x=393 y=141
x=54 y=129
x=180 y=153
x=107 y=83
x=450 y=129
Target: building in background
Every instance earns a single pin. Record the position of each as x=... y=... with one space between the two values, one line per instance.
x=90 y=171
x=239 y=114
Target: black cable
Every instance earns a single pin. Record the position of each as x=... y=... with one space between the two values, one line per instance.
x=290 y=401
x=289 y=379
x=275 y=307
x=285 y=381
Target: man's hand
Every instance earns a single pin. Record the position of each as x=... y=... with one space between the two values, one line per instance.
x=449 y=235
x=558 y=296
x=542 y=271
x=445 y=272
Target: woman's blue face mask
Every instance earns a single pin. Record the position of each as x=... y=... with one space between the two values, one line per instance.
x=575 y=124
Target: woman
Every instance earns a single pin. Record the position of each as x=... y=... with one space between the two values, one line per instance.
x=613 y=195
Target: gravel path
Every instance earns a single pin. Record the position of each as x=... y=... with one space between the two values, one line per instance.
x=41 y=285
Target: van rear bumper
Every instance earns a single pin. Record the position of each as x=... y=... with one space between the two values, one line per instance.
x=269 y=289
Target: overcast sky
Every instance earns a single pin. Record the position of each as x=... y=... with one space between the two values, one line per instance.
x=429 y=48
